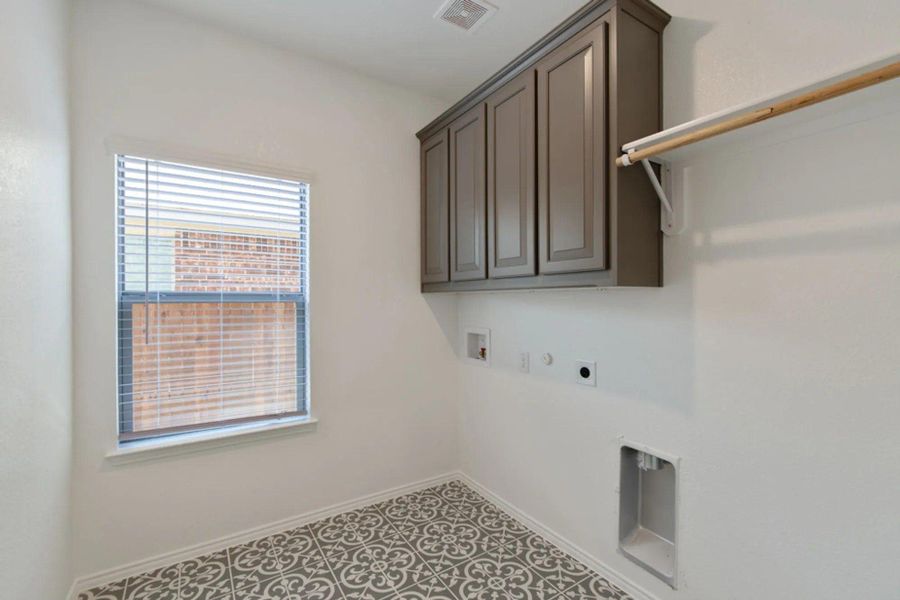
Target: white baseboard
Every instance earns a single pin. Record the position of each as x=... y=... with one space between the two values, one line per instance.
x=612 y=575
x=167 y=558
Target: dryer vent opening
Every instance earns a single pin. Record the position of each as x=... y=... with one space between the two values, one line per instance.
x=648 y=510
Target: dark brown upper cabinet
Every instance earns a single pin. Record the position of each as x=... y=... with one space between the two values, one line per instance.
x=511 y=179
x=572 y=165
x=535 y=199
x=467 y=197
x=435 y=209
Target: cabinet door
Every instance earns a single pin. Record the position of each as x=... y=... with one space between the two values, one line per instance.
x=435 y=209
x=511 y=178
x=467 y=197
x=572 y=164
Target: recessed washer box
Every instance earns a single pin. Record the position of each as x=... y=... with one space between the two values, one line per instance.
x=477 y=346
x=648 y=510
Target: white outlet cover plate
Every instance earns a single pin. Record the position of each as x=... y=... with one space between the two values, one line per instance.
x=524 y=362
x=591 y=380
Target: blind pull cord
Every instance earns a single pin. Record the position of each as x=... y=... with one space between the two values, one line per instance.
x=146 y=251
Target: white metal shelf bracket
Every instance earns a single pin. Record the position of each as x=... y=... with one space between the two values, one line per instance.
x=657 y=185
x=671 y=214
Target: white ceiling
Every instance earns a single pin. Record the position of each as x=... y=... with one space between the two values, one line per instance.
x=397 y=41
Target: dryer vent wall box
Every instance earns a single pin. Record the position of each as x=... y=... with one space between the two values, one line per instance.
x=478 y=346
x=648 y=502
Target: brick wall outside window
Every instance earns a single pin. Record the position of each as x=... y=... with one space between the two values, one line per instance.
x=252 y=262
x=255 y=341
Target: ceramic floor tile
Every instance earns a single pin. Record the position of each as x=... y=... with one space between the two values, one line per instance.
x=111 y=591
x=396 y=557
x=446 y=542
x=351 y=529
x=496 y=575
x=548 y=561
x=361 y=577
x=296 y=548
x=414 y=509
x=253 y=563
x=270 y=589
x=428 y=589
x=594 y=587
x=443 y=543
x=378 y=569
x=313 y=582
x=456 y=492
x=161 y=584
x=205 y=578
x=499 y=525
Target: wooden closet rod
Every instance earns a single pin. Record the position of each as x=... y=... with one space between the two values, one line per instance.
x=821 y=94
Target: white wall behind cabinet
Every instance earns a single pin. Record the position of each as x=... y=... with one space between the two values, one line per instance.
x=768 y=362
x=383 y=385
x=718 y=53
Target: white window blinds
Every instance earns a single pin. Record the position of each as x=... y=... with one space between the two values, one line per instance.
x=212 y=279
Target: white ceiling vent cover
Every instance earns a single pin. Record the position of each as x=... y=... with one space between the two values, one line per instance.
x=468 y=15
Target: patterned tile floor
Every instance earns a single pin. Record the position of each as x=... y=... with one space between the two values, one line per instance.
x=442 y=543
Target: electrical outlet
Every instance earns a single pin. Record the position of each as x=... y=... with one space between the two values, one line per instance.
x=586 y=372
x=524 y=361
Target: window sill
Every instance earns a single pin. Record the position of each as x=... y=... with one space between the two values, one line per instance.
x=190 y=443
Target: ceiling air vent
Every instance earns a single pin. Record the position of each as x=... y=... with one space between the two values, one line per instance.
x=468 y=15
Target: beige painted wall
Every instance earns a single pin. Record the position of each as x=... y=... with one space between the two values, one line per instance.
x=383 y=385
x=35 y=301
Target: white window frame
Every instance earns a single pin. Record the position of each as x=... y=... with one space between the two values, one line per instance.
x=224 y=435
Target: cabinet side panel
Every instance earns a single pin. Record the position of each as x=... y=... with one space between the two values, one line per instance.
x=637 y=113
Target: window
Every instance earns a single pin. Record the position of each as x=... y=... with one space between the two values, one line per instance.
x=212 y=296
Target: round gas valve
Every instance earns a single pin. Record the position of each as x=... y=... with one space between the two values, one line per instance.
x=547 y=358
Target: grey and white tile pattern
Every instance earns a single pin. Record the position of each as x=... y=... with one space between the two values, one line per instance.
x=442 y=543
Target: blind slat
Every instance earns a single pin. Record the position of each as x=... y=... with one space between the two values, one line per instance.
x=135 y=176
x=161 y=166
x=237 y=374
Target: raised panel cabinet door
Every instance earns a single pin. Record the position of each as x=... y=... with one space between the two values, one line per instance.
x=467 y=197
x=572 y=164
x=436 y=209
x=511 y=178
